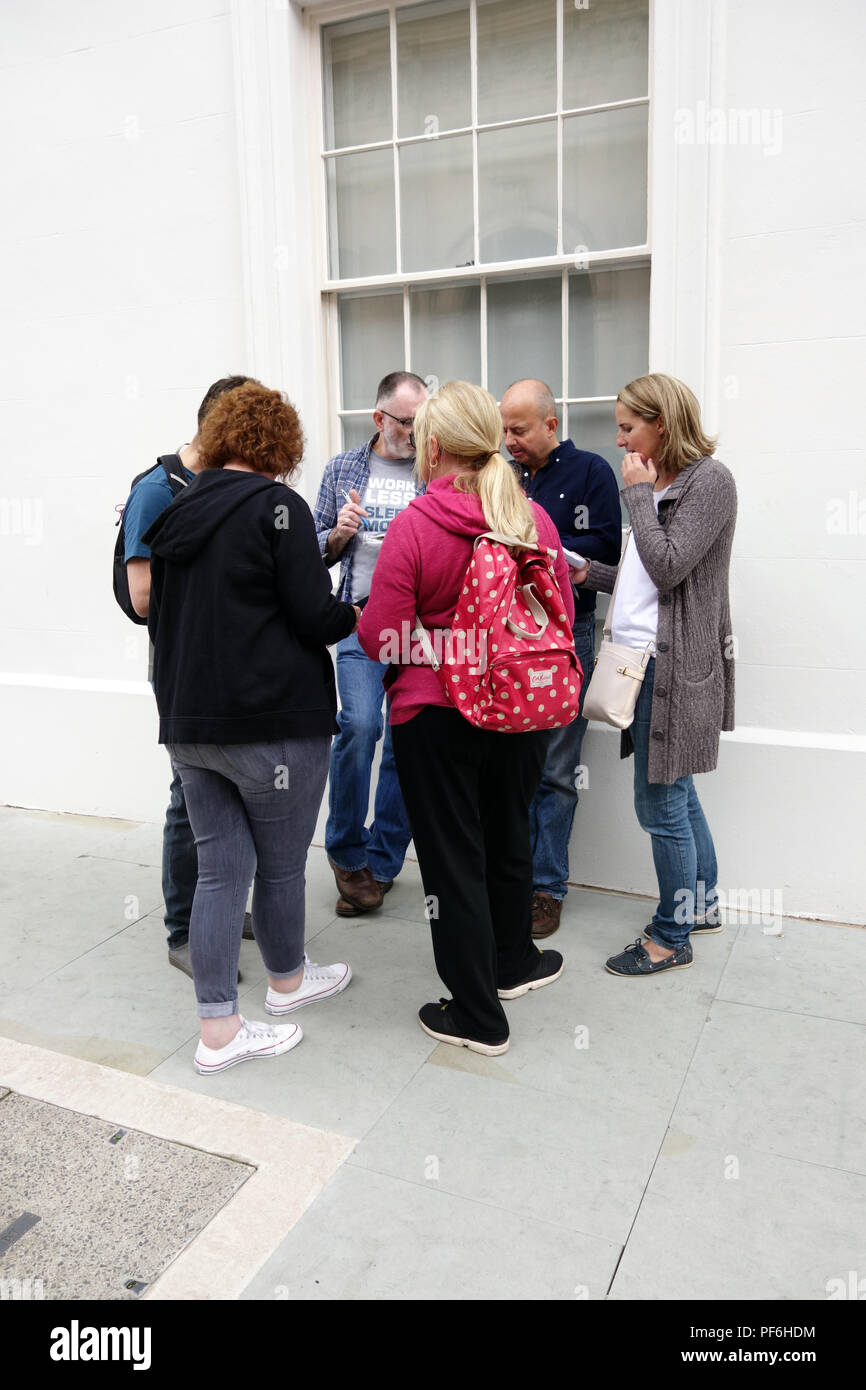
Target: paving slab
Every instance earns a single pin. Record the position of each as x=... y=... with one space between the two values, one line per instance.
x=120 y=1004
x=719 y=1225
x=812 y=968
x=784 y=1083
x=374 y=1237
x=33 y=842
x=359 y=1049
x=582 y=1166
x=57 y=915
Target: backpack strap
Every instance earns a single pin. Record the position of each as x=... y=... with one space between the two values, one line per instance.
x=503 y=540
x=426 y=645
x=537 y=610
x=169 y=464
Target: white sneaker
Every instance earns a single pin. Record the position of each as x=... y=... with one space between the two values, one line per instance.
x=319 y=982
x=251 y=1040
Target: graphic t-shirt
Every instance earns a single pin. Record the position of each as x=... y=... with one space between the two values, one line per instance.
x=390 y=487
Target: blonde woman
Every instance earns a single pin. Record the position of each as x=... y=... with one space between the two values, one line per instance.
x=673 y=593
x=467 y=790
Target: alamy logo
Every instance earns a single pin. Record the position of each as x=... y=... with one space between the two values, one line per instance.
x=76 y=1343
x=23 y=1290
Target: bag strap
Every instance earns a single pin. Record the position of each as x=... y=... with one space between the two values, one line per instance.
x=606 y=629
x=426 y=645
x=538 y=612
x=169 y=463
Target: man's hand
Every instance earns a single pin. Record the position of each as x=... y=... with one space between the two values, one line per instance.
x=577 y=573
x=638 y=469
x=350 y=518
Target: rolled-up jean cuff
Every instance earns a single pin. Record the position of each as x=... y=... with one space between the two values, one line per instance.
x=659 y=936
x=224 y=1010
x=285 y=974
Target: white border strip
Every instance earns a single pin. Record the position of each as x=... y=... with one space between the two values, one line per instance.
x=293 y=1162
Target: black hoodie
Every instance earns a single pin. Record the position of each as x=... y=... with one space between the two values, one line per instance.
x=241 y=613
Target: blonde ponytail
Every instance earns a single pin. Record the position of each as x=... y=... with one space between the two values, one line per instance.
x=466 y=421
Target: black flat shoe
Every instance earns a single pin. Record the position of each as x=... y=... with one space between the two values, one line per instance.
x=436 y=1023
x=635 y=960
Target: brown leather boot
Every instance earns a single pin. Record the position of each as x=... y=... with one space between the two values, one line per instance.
x=359 y=891
x=545 y=914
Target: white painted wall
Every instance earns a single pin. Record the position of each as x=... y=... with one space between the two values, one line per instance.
x=777 y=349
x=162 y=234
x=121 y=293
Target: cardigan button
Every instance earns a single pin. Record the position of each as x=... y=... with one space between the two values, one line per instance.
x=659 y=690
x=657 y=733
x=662 y=647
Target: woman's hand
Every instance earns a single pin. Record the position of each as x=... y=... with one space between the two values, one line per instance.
x=357 y=618
x=638 y=469
x=577 y=573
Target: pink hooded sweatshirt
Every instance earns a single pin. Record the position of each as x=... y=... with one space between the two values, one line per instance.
x=419 y=574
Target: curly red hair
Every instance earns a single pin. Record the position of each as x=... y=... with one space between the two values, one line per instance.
x=254 y=425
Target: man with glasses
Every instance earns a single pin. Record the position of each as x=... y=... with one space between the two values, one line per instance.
x=361 y=492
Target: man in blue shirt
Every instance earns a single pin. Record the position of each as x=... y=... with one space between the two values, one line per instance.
x=580 y=494
x=361 y=492
x=148 y=499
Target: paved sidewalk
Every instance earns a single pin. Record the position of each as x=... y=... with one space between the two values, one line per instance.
x=700 y=1135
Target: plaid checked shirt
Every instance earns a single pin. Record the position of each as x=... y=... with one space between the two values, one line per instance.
x=342 y=473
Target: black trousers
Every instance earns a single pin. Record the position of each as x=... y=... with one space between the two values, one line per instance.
x=467 y=793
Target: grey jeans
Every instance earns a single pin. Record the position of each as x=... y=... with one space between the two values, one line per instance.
x=253 y=809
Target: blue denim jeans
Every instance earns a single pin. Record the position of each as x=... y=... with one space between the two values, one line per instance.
x=179 y=866
x=683 y=850
x=253 y=807
x=551 y=815
x=351 y=846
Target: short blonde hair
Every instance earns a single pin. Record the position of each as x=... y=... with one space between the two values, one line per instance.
x=684 y=440
x=465 y=420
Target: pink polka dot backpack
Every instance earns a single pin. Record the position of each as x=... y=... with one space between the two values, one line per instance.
x=508 y=662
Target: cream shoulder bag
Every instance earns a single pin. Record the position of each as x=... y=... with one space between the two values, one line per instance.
x=618 y=673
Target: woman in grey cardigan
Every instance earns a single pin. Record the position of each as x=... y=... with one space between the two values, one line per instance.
x=673 y=593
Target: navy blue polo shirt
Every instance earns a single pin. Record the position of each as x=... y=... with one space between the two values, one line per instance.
x=580 y=494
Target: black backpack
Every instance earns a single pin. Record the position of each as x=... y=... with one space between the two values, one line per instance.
x=173 y=469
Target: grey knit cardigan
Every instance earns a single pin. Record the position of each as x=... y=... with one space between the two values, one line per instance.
x=686 y=551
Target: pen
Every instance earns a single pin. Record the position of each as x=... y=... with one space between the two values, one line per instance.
x=364 y=522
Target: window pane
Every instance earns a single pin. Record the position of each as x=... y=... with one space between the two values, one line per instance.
x=605 y=180
x=433 y=67
x=357 y=430
x=524 y=332
x=371 y=341
x=605 y=52
x=593 y=427
x=436 y=203
x=517 y=192
x=516 y=59
x=608 y=330
x=357 y=82
x=446 y=333
x=361 y=214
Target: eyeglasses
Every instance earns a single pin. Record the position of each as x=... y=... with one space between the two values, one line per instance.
x=406 y=421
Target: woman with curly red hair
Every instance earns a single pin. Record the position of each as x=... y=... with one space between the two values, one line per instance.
x=241 y=615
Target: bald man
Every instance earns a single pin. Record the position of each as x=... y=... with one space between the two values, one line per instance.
x=580 y=493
